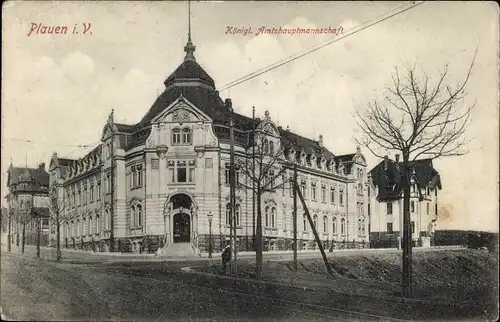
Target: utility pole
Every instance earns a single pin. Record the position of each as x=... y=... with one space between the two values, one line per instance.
x=112 y=184
x=294 y=217
x=232 y=186
x=311 y=223
x=9 y=243
x=253 y=180
x=38 y=231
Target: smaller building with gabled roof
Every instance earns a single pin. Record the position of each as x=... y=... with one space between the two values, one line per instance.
x=27 y=201
x=385 y=208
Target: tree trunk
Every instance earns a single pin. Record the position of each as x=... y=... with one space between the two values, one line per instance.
x=258 y=237
x=9 y=246
x=24 y=238
x=58 y=236
x=407 y=238
x=38 y=232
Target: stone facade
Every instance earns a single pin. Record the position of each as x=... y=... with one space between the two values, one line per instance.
x=27 y=201
x=386 y=202
x=169 y=178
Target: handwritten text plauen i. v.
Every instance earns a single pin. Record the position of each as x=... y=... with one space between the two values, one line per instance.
x=41 y=29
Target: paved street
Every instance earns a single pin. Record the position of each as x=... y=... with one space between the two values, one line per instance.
x=80 y=288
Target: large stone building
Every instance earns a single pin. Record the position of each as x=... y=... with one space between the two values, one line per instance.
x=386 y=202
x=28 y=206
x=156 y=183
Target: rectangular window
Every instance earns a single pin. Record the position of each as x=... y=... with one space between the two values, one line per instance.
x=428 y=206
x=323 y=193
x=389 y=208
x=191 y=174
x=332 y=194
x=313 y=191
x=303 y=189
x=435 y=209
x=98 y=190
x=341 y=196
x=227 y=175
x=181 y=171
x=139 y=175
x=412 y=227
x=412 y=206
x=134 y=177
x=91 y=193
x=389 y=228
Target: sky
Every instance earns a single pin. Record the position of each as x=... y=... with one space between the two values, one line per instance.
x=57 y=90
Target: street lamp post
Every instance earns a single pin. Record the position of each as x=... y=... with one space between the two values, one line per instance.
x=210 y=216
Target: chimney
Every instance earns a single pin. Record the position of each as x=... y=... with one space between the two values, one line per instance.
x=386 y=162
x=320 y=140
x=228 y=103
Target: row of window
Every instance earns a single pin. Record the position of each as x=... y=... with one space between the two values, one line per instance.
x=391 y=231
x=412 y=208
x=270 y=220
x=83 y=193
x=361 y=225
x=88 y=225
x=181 y=171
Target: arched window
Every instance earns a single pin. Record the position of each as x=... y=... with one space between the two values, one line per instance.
x=271 y=148
x=305 y=222
x=138 y=216
x=266 y=146
x=273 y=217
x=315 y=221
x=267 y=216
x=237 y=214
x=342 y=226
x=132 y=216
x=186 y=136
x=176 y=136
x=89 y=226
x=334 y=226
x=325 y=224
x=97 y=224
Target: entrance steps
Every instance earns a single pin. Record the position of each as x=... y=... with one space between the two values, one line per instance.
x=182 y=250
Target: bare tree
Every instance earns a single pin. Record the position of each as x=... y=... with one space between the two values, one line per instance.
x=416 y=119
x=262 y=172
x=57 y=204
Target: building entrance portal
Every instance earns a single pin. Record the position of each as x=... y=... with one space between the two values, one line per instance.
x=182 y=219
x=182 y=228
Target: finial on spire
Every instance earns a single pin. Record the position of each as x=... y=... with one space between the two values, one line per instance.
x=189 y=48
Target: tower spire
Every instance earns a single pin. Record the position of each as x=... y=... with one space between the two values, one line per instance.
x=189 y=48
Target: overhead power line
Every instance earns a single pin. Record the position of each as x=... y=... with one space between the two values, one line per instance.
x=47 y=143
x=296 y=56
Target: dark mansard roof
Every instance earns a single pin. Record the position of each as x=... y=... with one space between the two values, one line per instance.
x=192 y=82
x=390 y=180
